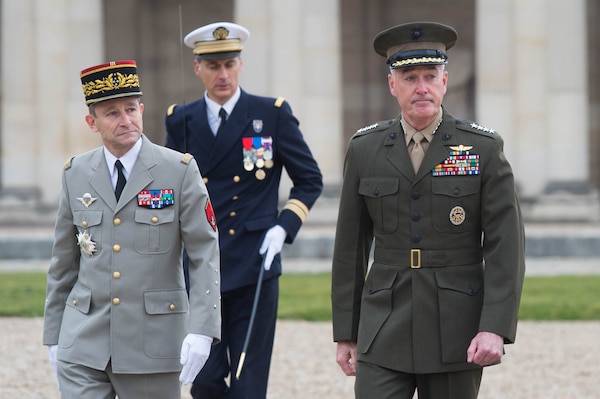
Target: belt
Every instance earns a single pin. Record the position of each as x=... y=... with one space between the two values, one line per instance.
x=417 y=258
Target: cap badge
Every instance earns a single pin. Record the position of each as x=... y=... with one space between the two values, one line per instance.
x=457 y=215
x=87 y=199
x=113 y=81
x=221 y=33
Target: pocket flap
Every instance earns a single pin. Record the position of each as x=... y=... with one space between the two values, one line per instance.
x=154 y=216
x=166 y=301
x=80 y=298
x=87 y=218
x=378 y=186
x=467 y=282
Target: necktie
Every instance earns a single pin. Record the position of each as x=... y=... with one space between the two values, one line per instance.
x=417 y=153
x=223 y=116
x=120 y=180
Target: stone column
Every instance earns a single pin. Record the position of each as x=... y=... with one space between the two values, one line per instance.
x=293 y=51
x=531 y=87
x=44 y=47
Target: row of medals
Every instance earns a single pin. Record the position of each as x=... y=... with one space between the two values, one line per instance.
x=258 y=158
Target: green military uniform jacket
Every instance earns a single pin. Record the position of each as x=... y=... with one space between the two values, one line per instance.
x=448 y=247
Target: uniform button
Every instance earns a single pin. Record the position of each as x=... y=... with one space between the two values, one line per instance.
x=116 y=275
x=116 y=301
x=154 y=219
x=416 y=237
x=456 y=191
x=376 y=193
x=235 y=198
x=84 y=223
x=415 y=195
x=116 y=248
x=74 y=302
x=205 y=180
x=471 y=291
x=172 y=306
x=231 y=232
x=415 y=216
x=236 y=179
x=117 y=221
x=232 y=214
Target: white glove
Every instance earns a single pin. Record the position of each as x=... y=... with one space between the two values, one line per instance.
x=52 y=350
x=194 y=353
x=272 y=244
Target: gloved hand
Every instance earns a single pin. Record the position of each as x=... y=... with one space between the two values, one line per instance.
x=194 y=353
x=272 y=244
x=52 y=350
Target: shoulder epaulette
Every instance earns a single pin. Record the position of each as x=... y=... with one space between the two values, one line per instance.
x=68 y=163
x=187 y=157
x=377 y=126
x=279 y=102
x=475 y=128
x=171 y=109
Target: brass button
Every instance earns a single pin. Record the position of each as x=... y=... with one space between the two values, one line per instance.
x=116 y=301
x=235 y=198
x=116 y=248
x=172 y=306
x=116 y=275
x=236 y=179
x=154 y=219
x=117 y=221
x=232 y=214
x=231 y=232
x=205 y=180
x=84 y=224
x=74 y=302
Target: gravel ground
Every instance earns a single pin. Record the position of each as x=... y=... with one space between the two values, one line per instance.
x=550 y=360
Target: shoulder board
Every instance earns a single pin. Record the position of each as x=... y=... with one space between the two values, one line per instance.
x=171 y=109
x=68 y=163
x=475 y=128
x=377 y=126
x=279 y=102
x=187 y=157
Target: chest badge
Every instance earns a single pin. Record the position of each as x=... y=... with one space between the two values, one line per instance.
x=457 y=215
x=87 y=199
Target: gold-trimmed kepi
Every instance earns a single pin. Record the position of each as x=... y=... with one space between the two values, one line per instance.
x=113 y=79
x=415 y=43
x=217 y=41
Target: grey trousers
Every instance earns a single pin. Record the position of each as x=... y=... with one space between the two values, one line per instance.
x=80 y=382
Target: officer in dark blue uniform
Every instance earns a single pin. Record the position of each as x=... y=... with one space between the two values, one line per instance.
x=242 y=143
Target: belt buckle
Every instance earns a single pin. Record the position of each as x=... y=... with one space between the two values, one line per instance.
x=415 y=258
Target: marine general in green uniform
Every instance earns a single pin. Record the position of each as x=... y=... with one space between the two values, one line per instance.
x=434 y=198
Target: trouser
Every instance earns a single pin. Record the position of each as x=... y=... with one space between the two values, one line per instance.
x=80 y=382
x=373 y=381
x=217 y=379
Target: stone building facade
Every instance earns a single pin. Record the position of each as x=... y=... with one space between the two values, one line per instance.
x=523 y=68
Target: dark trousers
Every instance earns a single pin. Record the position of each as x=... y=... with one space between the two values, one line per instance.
x=373 y=381
x=212 y=382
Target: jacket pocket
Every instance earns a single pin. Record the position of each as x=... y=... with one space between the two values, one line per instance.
x=90 y=221
x=166 y=311
x=382 y=201
x=456 y=195
x=153 y=230
x=376 y=305
x=75 y=315
x=460 y=299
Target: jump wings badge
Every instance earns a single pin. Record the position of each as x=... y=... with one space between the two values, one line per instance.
x=87 y=199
